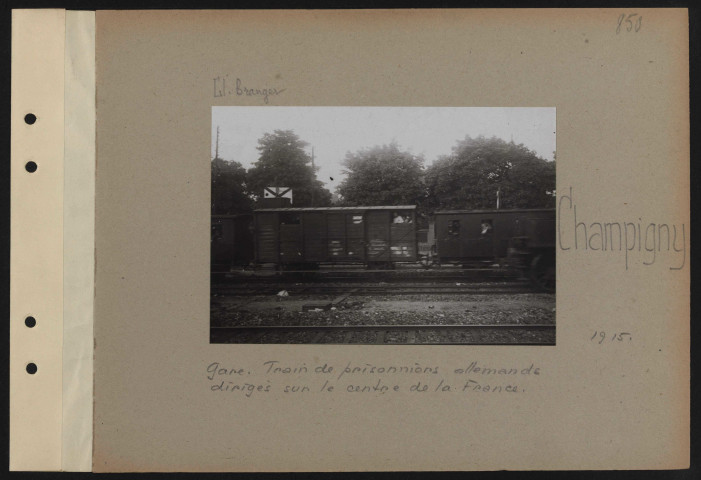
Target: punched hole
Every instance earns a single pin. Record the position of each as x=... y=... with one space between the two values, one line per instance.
x=31 y=167
x=30 y=118
x=30 y=322
x=31 y=368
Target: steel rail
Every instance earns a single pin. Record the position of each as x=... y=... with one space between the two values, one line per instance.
x=382 y=330
x=519 y=326
x=400 y=290
x=355 y=269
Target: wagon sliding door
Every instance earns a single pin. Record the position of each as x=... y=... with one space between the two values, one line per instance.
x=314 y=236
x=355 y=236
x=336 y=230
x=346 y=236
x=403 y=239
x=291 y=239
x=267 y=237
x=378 y=236
x=448 y=232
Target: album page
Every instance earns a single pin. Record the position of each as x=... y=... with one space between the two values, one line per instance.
x=391 y=240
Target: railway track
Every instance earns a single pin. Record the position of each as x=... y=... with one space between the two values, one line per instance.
x=385 y=289
x=504 y=334
x=363 y=275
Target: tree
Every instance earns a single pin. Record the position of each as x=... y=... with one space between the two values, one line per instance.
x=229 y=192
x=470 y=177
x=283 y=162
x=382 y=175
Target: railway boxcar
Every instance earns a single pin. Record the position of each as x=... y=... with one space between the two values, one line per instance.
x=521 y=238
x=305 y=237
x=231 y=241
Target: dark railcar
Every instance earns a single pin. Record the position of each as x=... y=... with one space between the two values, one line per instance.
x=305 y=237
x=231 y=241
x=520 y=238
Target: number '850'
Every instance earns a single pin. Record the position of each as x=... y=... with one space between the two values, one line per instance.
x=631 y=21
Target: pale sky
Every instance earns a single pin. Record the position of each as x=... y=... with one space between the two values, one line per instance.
x=333 y=131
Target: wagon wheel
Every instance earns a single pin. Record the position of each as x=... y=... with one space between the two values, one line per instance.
x=543 y=272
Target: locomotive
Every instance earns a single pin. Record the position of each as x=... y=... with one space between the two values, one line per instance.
x=381 y=237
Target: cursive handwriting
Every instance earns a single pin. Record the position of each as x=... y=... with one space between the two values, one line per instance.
x=223 y=88
x=649 y=241
x=359 y=377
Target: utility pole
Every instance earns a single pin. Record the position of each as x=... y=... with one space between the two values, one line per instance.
x=216 y=151
x=313 y=171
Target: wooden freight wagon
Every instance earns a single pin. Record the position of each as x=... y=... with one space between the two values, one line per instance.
x=520 y=238
x=306 y=237
x=231 y=241
x=465 y=235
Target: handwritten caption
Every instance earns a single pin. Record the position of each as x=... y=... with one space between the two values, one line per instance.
x=601 y=336
x=224 y=87
x=632 y=239
x=629 y=23
x=472 y=378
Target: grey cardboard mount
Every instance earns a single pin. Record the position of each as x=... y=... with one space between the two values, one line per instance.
x=619 y=82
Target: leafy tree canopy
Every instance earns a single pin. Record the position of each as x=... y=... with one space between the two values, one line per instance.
x=283 y=162
x=470 y=177
x=229 y=192
x=382 y=175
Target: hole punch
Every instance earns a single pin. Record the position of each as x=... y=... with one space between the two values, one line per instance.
x=31 y=167
x=31 y=368
x=30 y=322
x=30 y=118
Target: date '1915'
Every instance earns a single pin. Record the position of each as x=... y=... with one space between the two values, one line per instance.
x=600 y=337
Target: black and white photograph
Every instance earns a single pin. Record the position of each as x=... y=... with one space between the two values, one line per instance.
x=383 y=225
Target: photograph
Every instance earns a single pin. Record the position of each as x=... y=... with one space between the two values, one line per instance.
x=383 y=225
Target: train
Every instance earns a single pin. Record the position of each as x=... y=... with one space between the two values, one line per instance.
x=382 y=237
